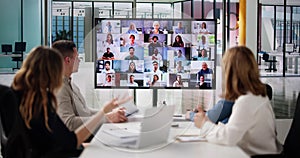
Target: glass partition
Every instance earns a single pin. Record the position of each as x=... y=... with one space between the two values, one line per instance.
x=187 y=9
x=103 y=9
x=197 y=9
x=122 y=10
x=144 y=10
x=82 y=14
x=177 y=10
x=162 y=10
x=279 y=38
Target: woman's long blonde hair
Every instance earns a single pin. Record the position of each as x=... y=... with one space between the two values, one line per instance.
x=241 y=73
x=39 y=77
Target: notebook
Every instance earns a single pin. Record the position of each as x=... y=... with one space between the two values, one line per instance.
x=153 y=130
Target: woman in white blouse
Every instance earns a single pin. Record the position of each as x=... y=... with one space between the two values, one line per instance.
x=251 y=125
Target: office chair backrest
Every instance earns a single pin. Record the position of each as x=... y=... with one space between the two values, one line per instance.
x=269 y=91
x=292 y=141
x=14 y=139
x=265 y=56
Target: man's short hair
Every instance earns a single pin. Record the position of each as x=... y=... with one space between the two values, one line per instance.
x=107 y=48
x=154 y=37
x=107 y=62
x=154 y=62
x=131 y=48
x=65 y=47
x=131 y=76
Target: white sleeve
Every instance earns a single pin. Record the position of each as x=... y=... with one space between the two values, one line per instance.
x=241 y=120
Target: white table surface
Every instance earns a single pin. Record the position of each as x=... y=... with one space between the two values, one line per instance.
x=10 y=55
x=173 y=149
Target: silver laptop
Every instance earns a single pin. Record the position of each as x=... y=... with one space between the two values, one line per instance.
x=153 y=130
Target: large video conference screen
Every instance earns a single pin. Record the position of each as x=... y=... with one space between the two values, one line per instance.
x=155 y=53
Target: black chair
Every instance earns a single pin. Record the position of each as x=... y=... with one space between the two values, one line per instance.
x=269 y=91
x=272 y=65
x=292 y=141
x=12 y=134
x=20 y=47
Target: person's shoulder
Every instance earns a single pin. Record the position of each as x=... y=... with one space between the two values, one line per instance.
x=4 y=89
x=224 y=101
x=250 y=98
x=63 y=89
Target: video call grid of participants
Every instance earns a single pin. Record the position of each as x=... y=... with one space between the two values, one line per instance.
x=155 y=53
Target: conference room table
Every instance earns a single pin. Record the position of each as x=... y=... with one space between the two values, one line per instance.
x=172 y=149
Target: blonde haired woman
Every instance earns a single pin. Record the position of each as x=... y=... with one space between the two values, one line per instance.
x=251 y=125
x=35 y=85
x=156 y=29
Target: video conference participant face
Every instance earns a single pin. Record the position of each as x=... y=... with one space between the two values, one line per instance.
x=204 y=66
x=156 y=25
x=155 y=66
x=201 y=78
x=109 y=38
x=132 y=38
x=107 y=66
x=131 y=52
x=132 y=66
x=131 y=78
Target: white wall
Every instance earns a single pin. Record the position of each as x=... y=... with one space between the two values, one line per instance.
x=267 y=35
x=251 y=25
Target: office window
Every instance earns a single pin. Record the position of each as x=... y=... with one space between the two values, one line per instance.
x=177 y=10
x=122 y=10
x=144 y=10
x=80 y=11
x=103 y=9
x=197 y=9
x=187 y=9
x=208 y=9
x=296 y=26
x=60 y=20
x=267 y=18
x=280 y=24
x=162 y=11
